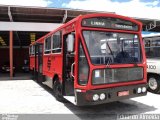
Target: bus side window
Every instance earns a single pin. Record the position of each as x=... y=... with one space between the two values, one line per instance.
x=32 y=50
x=47 y=46
x=56 y=42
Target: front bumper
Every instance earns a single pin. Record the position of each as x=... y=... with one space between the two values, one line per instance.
x=85 y=98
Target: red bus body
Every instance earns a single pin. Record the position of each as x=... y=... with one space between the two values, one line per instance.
x=60 y=64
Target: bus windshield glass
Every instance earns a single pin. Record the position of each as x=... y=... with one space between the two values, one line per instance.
x=112 y=47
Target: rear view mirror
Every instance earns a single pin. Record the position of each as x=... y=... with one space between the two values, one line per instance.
x=70 y=43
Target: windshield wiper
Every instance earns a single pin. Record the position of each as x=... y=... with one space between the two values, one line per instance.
x=110 y=60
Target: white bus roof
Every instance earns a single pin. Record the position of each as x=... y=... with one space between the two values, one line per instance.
x=151 y=35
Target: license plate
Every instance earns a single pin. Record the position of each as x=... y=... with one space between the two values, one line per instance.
x=123 y=93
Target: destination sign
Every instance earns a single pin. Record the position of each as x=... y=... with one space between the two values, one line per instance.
x=112 y=23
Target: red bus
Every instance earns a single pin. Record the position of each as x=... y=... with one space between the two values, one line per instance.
x=92 y=59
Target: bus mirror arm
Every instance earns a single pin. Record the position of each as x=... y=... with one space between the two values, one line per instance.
x=72 y=68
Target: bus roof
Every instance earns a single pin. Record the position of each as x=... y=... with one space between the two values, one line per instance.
x=48 y=34
x=151 y=35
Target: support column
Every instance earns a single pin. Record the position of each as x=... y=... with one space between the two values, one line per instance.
x=11 y=53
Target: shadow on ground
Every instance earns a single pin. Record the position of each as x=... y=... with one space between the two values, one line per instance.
x=109 y=111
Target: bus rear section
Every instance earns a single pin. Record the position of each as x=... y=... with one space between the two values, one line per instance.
x=99 y=58
x=152 y=46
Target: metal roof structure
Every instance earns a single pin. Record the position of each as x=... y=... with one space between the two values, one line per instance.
x=152 y=25
x=47 y=15
x=40 y=14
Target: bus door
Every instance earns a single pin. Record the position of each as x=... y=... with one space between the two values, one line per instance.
x=69 y=63
x=38 y=62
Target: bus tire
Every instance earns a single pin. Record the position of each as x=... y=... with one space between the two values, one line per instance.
x=154 y=83
x=57 y=90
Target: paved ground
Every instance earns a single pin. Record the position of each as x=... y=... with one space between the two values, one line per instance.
x=18 y=76
x=28 y=97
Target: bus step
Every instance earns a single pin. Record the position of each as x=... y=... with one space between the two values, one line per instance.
x=70 y=99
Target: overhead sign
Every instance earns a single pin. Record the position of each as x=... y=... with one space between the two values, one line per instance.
x=112 y=23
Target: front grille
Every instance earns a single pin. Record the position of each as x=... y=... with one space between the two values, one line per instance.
x=106 y=76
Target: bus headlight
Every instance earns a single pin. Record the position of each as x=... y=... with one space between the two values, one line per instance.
x=144 y=89
x=139 y=90
x=102 y=96
x=95 y=97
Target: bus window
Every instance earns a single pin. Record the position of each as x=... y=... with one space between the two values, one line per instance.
x=47 y=48
x=84 y=67
x=152 y=48
x=56 y=44
x=32 y=50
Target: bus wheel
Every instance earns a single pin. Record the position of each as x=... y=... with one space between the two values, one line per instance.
x=57 y=90
x=154 y=84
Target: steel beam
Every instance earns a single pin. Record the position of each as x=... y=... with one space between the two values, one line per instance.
x=151 y=25
x=28 y=26
x=10 y=14
x=65 y=17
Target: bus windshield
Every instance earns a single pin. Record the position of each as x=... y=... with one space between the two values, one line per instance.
x=112 y=47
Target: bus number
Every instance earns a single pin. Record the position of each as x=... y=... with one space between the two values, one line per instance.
x=151 y=67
